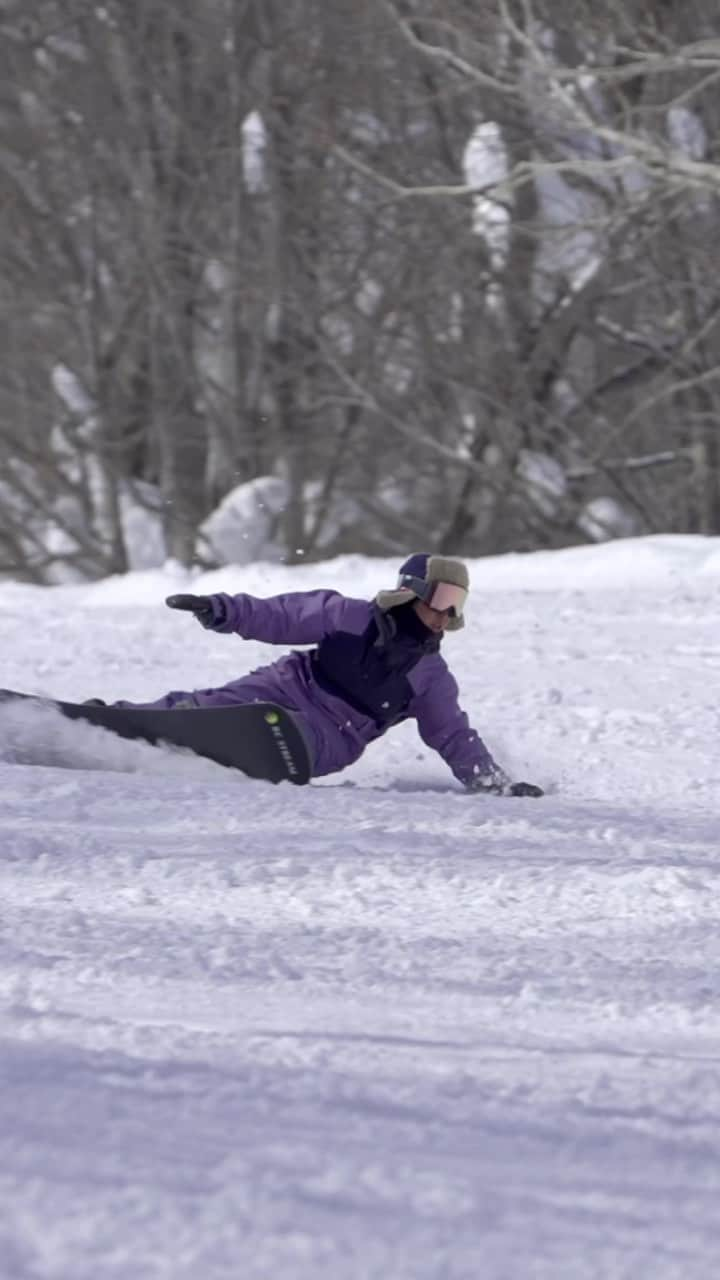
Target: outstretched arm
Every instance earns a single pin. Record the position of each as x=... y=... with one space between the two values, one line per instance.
x=444 y=726
x=297 y=617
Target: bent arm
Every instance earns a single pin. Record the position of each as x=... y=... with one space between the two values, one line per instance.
x=297 y=617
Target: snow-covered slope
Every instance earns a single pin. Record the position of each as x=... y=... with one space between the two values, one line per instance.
x=372 y=1028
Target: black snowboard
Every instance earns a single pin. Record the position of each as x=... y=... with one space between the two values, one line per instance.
x=262 y=740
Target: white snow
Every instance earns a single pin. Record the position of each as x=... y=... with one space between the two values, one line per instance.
x=241 y=528
x=687 y=132
x=254 y=144
x=69 y=388
x=485 y=163
x=372 y=1028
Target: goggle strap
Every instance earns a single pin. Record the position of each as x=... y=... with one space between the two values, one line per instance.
x=419 y=586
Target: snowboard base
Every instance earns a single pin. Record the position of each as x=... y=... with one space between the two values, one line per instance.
x=260 y=739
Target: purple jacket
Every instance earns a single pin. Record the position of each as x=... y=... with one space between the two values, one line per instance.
x=339 y=730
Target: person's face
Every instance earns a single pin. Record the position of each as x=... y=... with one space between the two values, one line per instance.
x=434 y=619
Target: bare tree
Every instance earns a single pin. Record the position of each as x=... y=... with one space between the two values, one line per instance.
x=585 y=346
x=447 y=269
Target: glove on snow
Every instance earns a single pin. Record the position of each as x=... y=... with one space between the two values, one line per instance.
x=209 y=610
x=497 y=787
x=524 y=789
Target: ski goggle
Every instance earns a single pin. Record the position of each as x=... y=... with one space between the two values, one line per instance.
x=443 y=596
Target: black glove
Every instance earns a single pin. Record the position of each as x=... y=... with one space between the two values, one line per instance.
x=524 y=789
x=203 y=607
x=498 y=786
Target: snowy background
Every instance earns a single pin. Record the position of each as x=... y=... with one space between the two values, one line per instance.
x=373 y=1028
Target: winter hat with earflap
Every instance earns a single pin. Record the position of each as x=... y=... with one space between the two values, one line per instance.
x=440 y=581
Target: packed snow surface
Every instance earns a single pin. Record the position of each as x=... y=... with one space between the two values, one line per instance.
x=375 y=1028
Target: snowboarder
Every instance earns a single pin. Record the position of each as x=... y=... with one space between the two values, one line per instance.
x=373 y=664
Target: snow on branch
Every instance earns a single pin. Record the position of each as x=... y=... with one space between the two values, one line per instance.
x=663 y=458
x=500 y=190
x=668 y=160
